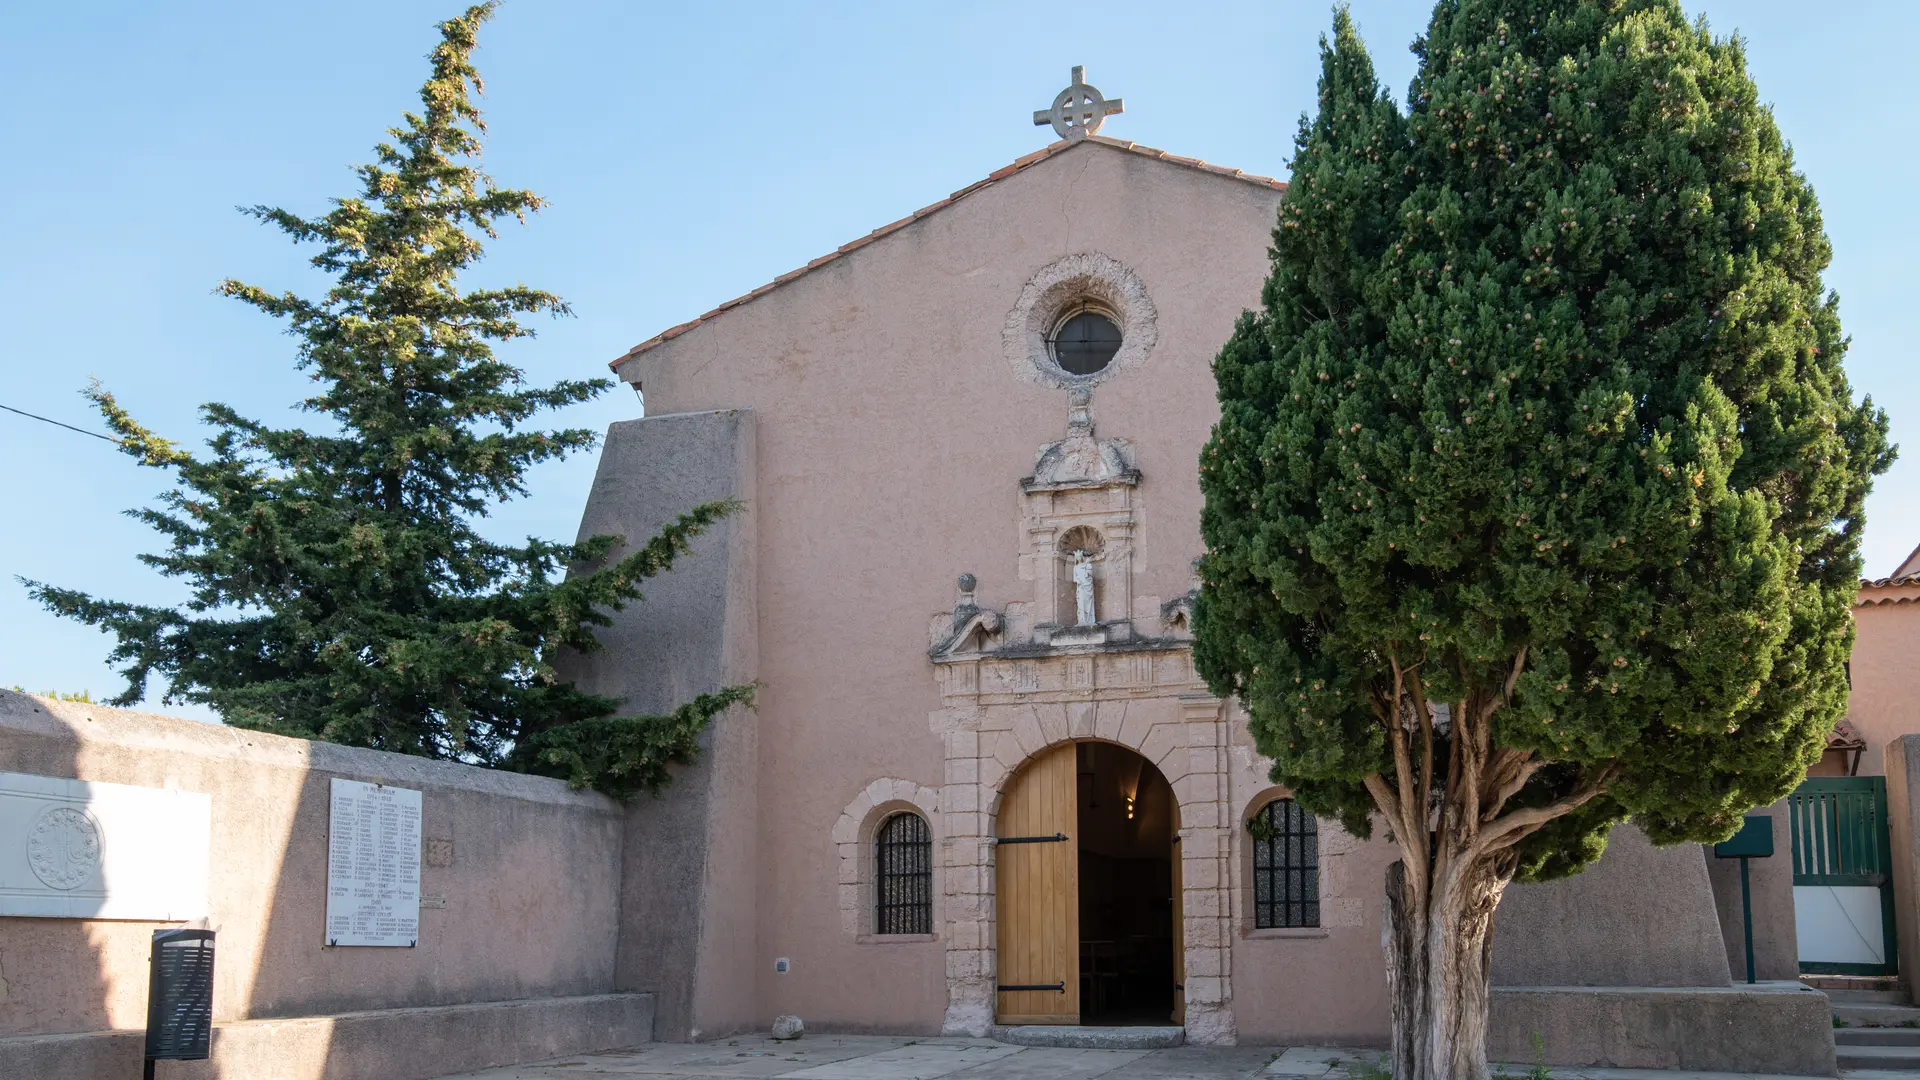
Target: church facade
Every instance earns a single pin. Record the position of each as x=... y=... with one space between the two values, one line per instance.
x=983 y=786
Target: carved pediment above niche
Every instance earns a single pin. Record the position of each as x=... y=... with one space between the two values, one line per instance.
x=1081 y=461
x=1077 y=534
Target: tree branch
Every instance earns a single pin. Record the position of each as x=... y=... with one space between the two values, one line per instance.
x=1413 y=814
x=1510 y=773
x=1413 y=856
x=1469 y=733
x=1520 y=824
x=1513 y=676
x=1407 y=682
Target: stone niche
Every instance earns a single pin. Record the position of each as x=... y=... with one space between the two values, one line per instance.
x=1065 y=666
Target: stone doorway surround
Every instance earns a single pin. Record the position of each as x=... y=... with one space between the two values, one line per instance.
x=1014 y=682
x=1173 y=723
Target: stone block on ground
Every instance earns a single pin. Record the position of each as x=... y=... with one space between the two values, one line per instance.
x=1088 y=1037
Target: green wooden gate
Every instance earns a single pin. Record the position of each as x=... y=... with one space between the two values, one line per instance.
x=1839 y=838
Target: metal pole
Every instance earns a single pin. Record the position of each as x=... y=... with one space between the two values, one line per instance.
x=148 y=1073
x=1746 y=913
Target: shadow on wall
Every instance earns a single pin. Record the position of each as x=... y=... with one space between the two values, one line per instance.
x=518 y=891
x=31 y=947
x=89 y=972
x=1776 y=945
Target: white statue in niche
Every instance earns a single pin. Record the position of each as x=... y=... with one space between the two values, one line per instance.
x=1083 y=588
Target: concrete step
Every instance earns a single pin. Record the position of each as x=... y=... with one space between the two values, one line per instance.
x=1884 y=1016
x=1877 y=1057
x=1876 y=1036
x=1868 y=997
x=1855 y=982
x=1088 y=1038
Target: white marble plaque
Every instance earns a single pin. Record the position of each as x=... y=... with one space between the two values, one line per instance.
x=373 y=865
x=77 y=849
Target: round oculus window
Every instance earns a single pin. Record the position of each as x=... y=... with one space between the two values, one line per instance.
x=1085 y=343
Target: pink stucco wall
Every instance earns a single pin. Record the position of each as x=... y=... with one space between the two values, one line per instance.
x=1324 y=986
x=531 y=887
x=893 y=431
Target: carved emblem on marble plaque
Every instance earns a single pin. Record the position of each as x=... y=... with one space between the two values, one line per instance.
x=86 y=849
x=64 y=847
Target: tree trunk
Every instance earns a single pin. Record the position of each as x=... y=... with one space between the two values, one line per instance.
x=1438 y=938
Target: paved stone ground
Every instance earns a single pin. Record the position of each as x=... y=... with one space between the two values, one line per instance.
x=879 y=1057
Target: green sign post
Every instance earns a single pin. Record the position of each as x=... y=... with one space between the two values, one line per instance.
x=1753 y=841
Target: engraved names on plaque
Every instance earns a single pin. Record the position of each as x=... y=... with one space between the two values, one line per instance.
x=373 y=865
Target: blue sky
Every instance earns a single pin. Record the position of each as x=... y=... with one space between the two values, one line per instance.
x=691 y=152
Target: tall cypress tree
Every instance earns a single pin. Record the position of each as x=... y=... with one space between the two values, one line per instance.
x=340 y=588
x=1535 y=498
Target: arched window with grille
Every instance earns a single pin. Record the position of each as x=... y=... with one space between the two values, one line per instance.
x=1286 y=866
x=903 y=876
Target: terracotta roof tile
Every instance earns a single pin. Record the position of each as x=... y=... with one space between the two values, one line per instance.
x=1018 y=165
x=1897 y=589
x=1845 y=736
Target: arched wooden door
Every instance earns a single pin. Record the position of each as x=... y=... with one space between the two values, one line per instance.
x=1037 y=867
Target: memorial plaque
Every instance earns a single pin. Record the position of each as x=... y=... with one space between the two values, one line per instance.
x=373 y=865
x=80 y=849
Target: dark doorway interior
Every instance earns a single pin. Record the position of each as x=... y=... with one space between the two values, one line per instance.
x=1126 y=888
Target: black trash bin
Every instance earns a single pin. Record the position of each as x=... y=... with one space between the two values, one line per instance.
x=180 y=997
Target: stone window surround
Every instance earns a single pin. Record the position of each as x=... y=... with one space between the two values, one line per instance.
x=1337 y=909
x=853 y=837
x=1245 y=918
x=1091 y=278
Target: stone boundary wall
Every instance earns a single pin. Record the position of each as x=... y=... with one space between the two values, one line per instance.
x=520 y=886
x=1901 y=764
x=1771 y=1028
x=388 y=1044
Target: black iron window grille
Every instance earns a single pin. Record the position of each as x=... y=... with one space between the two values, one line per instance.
x=1286 y=866
x=903 y=876
x=1085 y=343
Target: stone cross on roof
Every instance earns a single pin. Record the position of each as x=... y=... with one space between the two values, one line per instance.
x=1079 y=110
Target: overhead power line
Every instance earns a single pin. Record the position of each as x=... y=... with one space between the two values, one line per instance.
x=57 y=423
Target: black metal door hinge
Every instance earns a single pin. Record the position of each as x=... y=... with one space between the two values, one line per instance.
x=1054 y=839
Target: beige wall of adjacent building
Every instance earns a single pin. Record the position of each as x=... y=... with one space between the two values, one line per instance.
x=1885 y=669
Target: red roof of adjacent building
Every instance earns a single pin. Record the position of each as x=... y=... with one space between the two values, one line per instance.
x=1900 y=587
